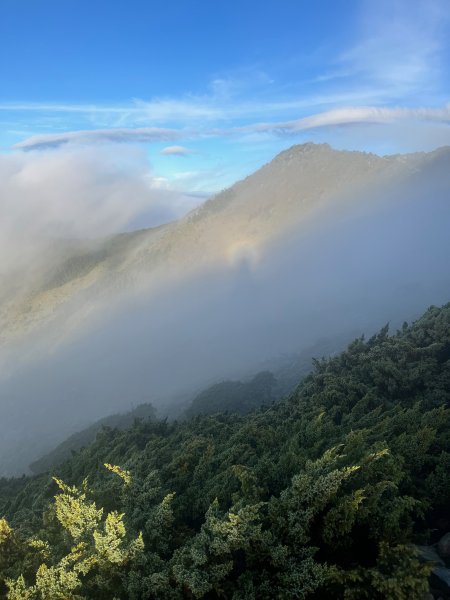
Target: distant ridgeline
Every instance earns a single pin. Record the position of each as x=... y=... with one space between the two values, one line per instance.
x=78 y=440
x=265 y=387
x=234 y=396
x=225 y=397
x=338 y=491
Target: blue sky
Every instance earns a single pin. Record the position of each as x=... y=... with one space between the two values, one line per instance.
x=209 y=91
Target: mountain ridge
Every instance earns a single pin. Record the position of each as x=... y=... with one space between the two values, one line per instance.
x=257 y=222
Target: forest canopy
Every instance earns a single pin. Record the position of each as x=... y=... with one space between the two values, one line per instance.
x=324 y=494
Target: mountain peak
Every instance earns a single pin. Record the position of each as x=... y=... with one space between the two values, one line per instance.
x=306 y=148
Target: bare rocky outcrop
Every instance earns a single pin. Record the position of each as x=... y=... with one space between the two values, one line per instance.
x=438 y=556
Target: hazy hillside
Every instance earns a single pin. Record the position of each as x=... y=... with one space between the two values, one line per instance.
x=342 y=490
x=230 y=227
x=318 y=243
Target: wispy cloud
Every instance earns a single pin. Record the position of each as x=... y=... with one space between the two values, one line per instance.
x=65 y=108
x=177 y=151
x=192 y=110
x=353 y=115
x=336 y=117
x=112 y=135
x=397 y=50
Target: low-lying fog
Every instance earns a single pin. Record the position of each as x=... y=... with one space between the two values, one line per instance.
x=348 y=270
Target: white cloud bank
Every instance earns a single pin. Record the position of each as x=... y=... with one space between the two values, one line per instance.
x=77 y=193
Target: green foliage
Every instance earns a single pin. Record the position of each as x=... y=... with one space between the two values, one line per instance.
x=320 y=495
x=397 y=574
x=98 y=550
x=85 y=437
x=234 y=396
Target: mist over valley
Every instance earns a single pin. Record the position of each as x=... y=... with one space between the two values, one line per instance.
x=318 y=244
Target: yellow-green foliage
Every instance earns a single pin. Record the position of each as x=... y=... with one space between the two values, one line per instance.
x=5 y=531
x=109 y=544
x=99 y=545
x=74 y=512
x=124 y=475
